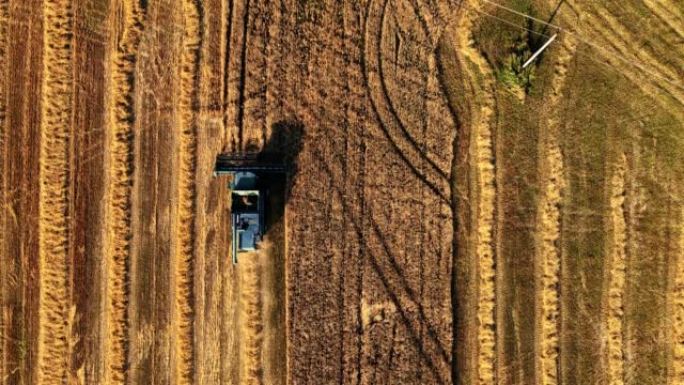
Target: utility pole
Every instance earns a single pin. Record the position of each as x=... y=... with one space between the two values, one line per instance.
x=539 y=51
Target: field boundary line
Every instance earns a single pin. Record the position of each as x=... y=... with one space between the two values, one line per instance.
x=56 y=116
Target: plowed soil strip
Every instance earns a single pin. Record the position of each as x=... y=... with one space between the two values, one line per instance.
x=677 y=365
x=184 y=223
x=120 y=116
x=548 y=253
x=56 y=117
x=614 y=302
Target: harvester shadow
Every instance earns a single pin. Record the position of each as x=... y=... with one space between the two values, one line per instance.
x=282 y=147
x=400 y=283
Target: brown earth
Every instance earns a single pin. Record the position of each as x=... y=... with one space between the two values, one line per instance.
x=440 y=223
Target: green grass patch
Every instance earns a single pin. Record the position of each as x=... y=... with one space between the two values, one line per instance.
x=506 y=43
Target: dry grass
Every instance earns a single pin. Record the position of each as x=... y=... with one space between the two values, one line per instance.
x=56 y=118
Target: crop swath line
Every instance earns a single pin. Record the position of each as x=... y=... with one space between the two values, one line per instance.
x=548 y=258
x=251 y=323
x=56 y=118
x=184 y=223
x=548 y=269
x=677 y=365
x=4 y=18
x=118 y=182
x=482 y=154
x=616 y=272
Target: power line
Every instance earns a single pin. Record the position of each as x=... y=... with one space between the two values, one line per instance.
x=605 y=50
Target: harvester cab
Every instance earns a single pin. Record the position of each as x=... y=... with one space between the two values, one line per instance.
x=249 y=190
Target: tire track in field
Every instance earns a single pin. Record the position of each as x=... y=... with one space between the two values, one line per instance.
x=184 y=223
x=664 y=10
x=616 y=258
x=676 y=376
x=548 y=253
x=394 y=129
x=118 y=182
x=56 y=117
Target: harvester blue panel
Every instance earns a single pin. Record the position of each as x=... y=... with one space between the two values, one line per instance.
x=243 y=181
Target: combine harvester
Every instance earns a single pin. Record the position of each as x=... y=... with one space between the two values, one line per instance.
x=251 y=176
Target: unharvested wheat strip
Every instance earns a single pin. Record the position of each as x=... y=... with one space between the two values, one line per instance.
x=184 y=222
x=616 y=270
x=548 y=262
x=483 y=156
x=676 y=376
x=120 y=115
x=235 y=67
x=56 y=117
